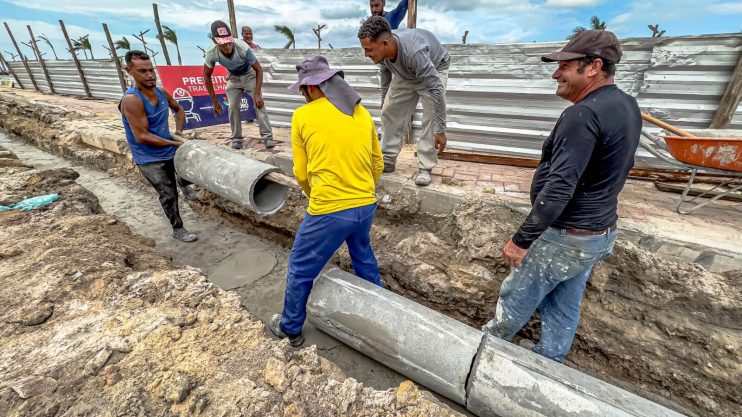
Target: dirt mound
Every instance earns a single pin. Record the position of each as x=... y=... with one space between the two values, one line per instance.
x=95 y=321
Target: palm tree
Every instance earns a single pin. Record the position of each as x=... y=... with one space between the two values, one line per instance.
x=83 y=44
x=595 y=23
x=122 y=43
x=46 y=40
x=288 y=33
x=170 y=36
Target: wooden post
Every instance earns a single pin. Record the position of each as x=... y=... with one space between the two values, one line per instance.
x=159 y=31
x=463 y=38
x=412 y=14
x=730 y=100
x=10 y=70
x=115 y=58
x=23 y=57
x=41 y=60
x=74 y=58
x=232 y=18
x=318 y=32
x=140 y=37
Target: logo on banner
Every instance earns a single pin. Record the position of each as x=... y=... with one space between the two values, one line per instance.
x=185 y=100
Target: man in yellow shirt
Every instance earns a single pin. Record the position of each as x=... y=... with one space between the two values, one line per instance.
x=337 y=162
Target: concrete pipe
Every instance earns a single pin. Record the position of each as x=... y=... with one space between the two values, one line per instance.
x=424 y=345
x=510 y=381
x=491 y=377
x=231 y=175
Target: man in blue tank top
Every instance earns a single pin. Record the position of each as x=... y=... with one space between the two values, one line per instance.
x=144 y=109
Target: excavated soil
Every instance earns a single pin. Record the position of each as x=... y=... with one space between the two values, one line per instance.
x=667 y=331
x=95 y=322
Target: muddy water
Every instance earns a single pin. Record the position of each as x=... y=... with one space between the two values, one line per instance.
x=255 y=268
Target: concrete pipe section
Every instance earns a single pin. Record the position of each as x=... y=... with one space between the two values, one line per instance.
x=231 y=175
x=489 y=376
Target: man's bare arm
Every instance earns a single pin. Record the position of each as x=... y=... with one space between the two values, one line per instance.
x=133 y=109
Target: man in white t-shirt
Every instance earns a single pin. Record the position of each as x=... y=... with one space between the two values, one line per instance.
x=245 y=74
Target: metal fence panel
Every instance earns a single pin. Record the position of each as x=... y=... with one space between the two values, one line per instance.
x=500 y=98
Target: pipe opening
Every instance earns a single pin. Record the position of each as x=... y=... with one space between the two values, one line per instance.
x=269 y=196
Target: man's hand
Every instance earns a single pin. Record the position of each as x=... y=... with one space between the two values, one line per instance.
x=440 y=142
x=513 y=254
x=177 y=143
x=217 y=107
x=258 y=99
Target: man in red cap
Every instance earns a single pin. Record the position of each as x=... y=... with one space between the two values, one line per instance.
x=572 y=224
x=337 y=162
x=245 y=74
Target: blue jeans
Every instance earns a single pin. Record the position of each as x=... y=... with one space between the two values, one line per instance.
x=552 y=278
x=316 y=241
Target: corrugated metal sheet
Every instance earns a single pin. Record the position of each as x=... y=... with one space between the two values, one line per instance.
x=100 y=75
x=500 y=98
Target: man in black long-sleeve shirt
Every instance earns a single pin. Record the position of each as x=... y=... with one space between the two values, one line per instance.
x=574 y=194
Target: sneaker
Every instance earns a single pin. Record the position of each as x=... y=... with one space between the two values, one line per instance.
x=269 y=143
x=188 y=192
x=423 y=178
x=236 y=143
x=275 y=327
x=184 y=235
x=388 y=167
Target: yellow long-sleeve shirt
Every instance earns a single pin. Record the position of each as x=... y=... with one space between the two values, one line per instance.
x=337 y=158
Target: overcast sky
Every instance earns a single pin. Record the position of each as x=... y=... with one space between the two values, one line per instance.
x=488 y=21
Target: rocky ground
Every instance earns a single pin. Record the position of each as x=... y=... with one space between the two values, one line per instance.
x=668 y=331
x=95 y=322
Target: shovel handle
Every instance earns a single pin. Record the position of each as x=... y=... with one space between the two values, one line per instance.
x=666 y=126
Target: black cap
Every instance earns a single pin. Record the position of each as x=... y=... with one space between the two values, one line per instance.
x=599 y=43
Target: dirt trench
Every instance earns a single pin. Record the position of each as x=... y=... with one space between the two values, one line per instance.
x=94 y=321
x=667 y=331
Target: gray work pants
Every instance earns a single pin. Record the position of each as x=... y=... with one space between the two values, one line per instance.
x=235 y=87
x=399 y=105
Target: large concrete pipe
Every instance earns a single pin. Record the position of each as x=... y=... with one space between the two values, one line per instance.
x=491 y=377
x=231 y=175
x=510 y=381
x=421 y=344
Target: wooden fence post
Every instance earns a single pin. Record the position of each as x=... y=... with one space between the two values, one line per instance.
x=41 y=60
x=10 y=70
x=411 y=14
x=159 y=30
x=232 y=18
x=115 y=58
x=23 y=57
x=730 y=100
x=74 y=58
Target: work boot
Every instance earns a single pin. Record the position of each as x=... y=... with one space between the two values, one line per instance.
x=188 y=192
x=236 y=143
x=423 y=177
x=275 y=327
x=269 y=143
x=388 y=168
x=184 y=235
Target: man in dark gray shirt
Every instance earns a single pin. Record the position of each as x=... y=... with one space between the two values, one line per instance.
x=413 y=66
x=572 y=225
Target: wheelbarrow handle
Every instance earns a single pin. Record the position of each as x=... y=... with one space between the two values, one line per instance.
x=666 y=126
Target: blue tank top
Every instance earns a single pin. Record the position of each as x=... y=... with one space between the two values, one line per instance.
x=157 y=119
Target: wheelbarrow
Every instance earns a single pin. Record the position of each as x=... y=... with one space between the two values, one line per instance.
x=713 y=155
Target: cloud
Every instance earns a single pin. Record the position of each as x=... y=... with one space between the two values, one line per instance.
x=727 y=8
x=347 y=11
x=572 y=4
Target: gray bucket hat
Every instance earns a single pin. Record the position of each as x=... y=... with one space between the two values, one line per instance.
x=314 y=71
